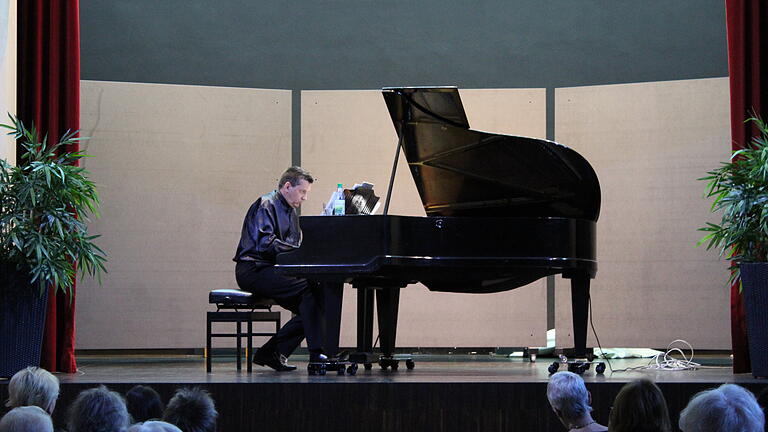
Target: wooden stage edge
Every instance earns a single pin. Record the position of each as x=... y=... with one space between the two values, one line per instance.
x=443 y=393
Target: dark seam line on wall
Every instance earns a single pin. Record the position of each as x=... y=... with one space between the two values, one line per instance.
x=550 y=108
x=296 y=127
x=296 y=130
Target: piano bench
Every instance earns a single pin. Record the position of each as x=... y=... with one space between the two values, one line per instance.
x=238 y=306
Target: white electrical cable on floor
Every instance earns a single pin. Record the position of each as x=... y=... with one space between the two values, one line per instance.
x=665 y=362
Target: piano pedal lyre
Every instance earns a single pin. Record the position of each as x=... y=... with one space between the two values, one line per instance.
x=531 y=353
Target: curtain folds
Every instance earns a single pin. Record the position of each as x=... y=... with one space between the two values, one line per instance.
x=49 y=95
x=747 y=27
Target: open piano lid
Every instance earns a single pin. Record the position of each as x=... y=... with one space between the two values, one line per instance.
x=462 y=172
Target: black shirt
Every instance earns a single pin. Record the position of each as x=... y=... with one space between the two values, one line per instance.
x=271 y=226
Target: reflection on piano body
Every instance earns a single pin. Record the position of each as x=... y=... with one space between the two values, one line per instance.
x=502 y=211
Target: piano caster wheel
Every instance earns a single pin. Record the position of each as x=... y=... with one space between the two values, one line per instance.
x=352 y=369
x=600 y=368
x=388 y=363
x=368 y=366
x=553 y=367
x=316 y=369
x=410 y=364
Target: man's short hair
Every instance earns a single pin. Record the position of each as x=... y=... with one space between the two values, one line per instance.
x=26 y=419
x=567 y=394
x=192 y=410
x=33 y=386
x=295 y=175
x=723 y=409
x=143 y=403
x=98 y=409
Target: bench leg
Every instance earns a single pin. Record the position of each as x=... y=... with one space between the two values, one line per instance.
x=208 y=345
x=239 y=345
x=249 y=352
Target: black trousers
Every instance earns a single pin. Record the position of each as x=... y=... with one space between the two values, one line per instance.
x=300 y=296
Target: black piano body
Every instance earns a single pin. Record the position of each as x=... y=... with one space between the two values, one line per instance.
x=502 y=211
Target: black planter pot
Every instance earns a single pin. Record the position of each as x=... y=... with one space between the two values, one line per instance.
x=22 y=317
x=754 y=281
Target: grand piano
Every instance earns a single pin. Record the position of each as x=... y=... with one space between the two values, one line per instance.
x=502 y=211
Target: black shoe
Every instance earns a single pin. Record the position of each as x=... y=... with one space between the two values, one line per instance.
x=339 y=358
x=342 y=356
x=274 y=360
x=318 y=358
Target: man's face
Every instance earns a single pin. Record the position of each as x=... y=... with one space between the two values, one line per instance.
x=295 y=195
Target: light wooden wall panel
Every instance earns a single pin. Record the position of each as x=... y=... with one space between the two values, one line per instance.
x=7 y=75
x=348 y=137
x=649 y=142
x=177 y=168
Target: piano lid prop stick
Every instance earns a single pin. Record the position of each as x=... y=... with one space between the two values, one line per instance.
x=394 y=170
x=400 y=136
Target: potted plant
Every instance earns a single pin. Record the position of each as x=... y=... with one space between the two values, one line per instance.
x=740 y=190
x=45 y=204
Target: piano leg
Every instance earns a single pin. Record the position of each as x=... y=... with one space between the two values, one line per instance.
x=364 y=319
x=387 y=302
x=580 y=310
x=333 y=294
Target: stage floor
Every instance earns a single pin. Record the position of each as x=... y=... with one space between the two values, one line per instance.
x=429 y=368
x=462 y=393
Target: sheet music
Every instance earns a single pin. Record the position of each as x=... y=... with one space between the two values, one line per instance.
x=359 y=200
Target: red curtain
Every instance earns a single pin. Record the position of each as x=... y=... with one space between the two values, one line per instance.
x=747 y=26
x=49 y=96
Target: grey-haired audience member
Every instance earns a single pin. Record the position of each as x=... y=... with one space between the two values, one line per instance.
x=26 y=419
x=144 y=403
x=640 y=407
x=98 y=410
x=154 y=426
x=570 y=400
x=33 y=386
x=727 y=408
x=192 y=410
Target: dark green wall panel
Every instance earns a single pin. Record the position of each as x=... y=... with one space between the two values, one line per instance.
x=358 y=44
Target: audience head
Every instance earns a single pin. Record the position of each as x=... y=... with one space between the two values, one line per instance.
x=723 y=409
x=640 y=406
x=568 y=396
x=144 y=403
x=33 y=386
x=154 y=426
x=98 y=410
x=26 y=419
x=192 y=410
x=762 y=398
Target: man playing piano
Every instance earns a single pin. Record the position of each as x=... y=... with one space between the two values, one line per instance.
x=271 y=227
